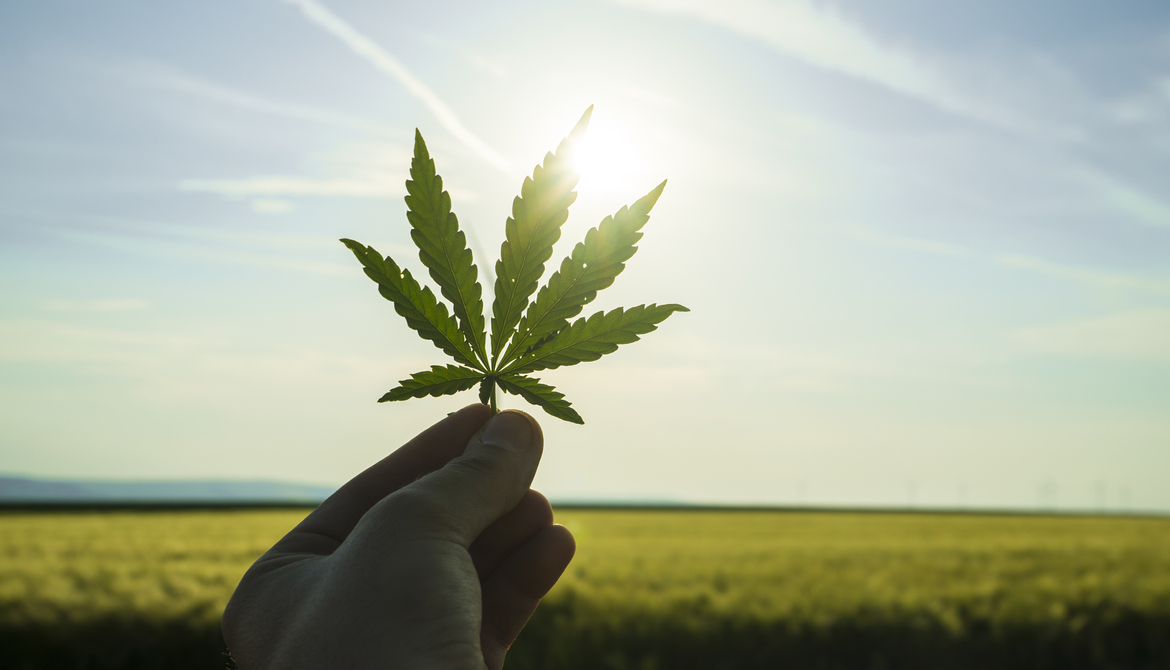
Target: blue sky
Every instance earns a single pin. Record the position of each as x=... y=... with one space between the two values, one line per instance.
x=926 y=248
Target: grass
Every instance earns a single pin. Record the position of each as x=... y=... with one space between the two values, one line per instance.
x=59 y=569
x=647 y=590
x=124 y=589
x=769 y=589
x=819 y=568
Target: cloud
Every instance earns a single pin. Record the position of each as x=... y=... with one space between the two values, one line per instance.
x=476 y=59
x=978 y=89
x=790 y=367
x=169 y=79
x=116 y=305
x=270 y=206
x=933 y=247
x=1138 y=334
x=822 y=37
x=354 y=170
x=152 y=239
x=1087 y=275
x=384 y=61
x=37 y=340
x=1097 y=278
x=182 y=365
x=150 y=248
x=1137 y=205
x=485 y=64
x=381 y=186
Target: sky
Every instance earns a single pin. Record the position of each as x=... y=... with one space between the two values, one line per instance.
x=926 y=248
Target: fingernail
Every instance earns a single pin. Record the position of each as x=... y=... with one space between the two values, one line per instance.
x=508 y=430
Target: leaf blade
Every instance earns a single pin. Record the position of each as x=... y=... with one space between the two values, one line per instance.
x=424 y=313
x=593 y=266
x=443 y=246
x=591 y=338
x=440 y=380
x=530 y=233
x=542 y=395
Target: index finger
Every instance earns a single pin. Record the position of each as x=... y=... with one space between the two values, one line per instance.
x=327 y=526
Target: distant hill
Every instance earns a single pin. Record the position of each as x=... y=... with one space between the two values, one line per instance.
x=21 y=489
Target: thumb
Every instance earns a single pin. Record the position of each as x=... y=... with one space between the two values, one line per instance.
x=471 y=491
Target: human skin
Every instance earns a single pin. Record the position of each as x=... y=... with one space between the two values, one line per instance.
x=435 y=557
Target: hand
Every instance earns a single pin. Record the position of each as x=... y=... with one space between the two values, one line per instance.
x=435 y=557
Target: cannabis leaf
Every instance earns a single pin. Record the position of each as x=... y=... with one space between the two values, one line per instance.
x=439 y=380
x=534 y=227
x=526 y=336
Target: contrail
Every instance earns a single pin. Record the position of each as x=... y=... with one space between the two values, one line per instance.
x=367 y=48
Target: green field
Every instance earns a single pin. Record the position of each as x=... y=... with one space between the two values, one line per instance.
x=647 y=590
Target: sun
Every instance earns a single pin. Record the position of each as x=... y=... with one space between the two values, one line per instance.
x=609 y=158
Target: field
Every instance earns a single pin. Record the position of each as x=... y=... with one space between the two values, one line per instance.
x=648 y=590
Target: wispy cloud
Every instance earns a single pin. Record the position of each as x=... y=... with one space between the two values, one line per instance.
x=112 y=305
x=1090 y=276
x=1139 y=334
x=154 y=239
x=476 y=59
x=189 y=365
x=384 y=61
x=820 y=36
x=1098 y=278
x=934 y=247
x=61 y=342
x=168 y=78
x=1137 y=205
x=485 y=64
x=355 y=170
x=353 y=187
x=155 y=248
x=182 y=83
x=272 y=206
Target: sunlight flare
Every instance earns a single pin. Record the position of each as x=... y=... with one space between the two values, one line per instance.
x=610 y=158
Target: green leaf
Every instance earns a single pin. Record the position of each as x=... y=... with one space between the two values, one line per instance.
x=439 y=380
x=423 y=312
x=530 y=330
x=543 y=395
x=592 y=338
x=443 y=247
x=592 y=267
x=530 y=233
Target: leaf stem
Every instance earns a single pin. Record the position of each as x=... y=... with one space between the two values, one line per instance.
x=495 y=409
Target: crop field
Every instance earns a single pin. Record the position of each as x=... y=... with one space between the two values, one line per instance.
x=648 y=590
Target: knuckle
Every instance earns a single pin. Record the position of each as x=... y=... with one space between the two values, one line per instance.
x=418 y=511
x=538 y=506
x=407 y=507
x=479 y=466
